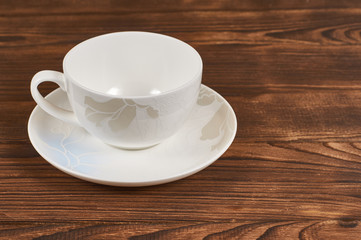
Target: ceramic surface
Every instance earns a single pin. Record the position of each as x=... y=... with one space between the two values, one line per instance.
x=129 y=89
x=204 y=137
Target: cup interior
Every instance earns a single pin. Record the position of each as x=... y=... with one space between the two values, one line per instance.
x=130 y=64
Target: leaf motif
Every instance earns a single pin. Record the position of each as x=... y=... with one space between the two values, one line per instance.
x=130 y=102
x=98 y=117
x=203 y=91
x=141 y=106
x=213 y=128
x=221 y=141
x=110 y=106
x=219 y=99
x=205 y=100
x=88 y=111
x=123 y=119
x=119 y=113
x=153 y=113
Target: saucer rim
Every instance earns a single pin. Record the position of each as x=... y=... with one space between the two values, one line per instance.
x=183 y=174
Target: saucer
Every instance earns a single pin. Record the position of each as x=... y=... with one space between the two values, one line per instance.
x=204 y=137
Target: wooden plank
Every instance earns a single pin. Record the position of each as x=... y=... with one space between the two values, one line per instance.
x=304 y=181
x=342 y=229
x=255 y=48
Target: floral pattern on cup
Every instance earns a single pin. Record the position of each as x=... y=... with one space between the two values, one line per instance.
x=118 y=114
x=218 y=127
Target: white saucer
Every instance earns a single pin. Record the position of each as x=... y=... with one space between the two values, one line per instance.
x=206 y=135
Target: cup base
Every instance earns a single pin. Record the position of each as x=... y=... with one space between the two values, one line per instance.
x=133 y=148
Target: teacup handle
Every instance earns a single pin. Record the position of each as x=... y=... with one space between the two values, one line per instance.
x=58 y=78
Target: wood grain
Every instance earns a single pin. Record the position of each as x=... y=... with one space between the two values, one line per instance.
x=290 y=69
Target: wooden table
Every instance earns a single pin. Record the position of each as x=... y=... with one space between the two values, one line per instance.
x=291 y=71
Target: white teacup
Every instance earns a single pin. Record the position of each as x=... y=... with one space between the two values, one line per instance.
x=129 y=89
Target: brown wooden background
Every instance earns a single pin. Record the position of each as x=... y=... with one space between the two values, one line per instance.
x=290 y=69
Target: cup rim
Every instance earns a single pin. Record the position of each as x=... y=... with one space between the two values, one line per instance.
x=196 y=76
